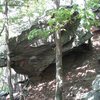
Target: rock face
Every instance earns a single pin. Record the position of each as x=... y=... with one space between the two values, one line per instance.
x=95 y=93
x=32 y=57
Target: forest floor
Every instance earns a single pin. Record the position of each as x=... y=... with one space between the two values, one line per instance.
x=76 y=82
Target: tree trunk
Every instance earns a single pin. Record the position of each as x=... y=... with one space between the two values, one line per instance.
x=59 y=72
x=8 y=51
x=57 y=3
x=71 y=2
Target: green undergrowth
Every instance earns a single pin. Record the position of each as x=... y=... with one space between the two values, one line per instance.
x=40 y=33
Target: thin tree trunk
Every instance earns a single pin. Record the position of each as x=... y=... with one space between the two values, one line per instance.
x=57 y=3
x=59 y=72
x=8 y=51
x=71 y=2
x=85 y=9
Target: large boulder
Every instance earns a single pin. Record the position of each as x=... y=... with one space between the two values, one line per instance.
x=32 y=57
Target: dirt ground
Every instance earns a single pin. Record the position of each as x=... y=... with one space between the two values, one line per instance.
x=77 y=80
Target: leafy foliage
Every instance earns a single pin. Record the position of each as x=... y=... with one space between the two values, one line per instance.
x=59 y=18
x=93 y=3
x=38 y=33
x=88 y=18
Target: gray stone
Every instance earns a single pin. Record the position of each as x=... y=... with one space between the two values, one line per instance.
x=31 y=57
